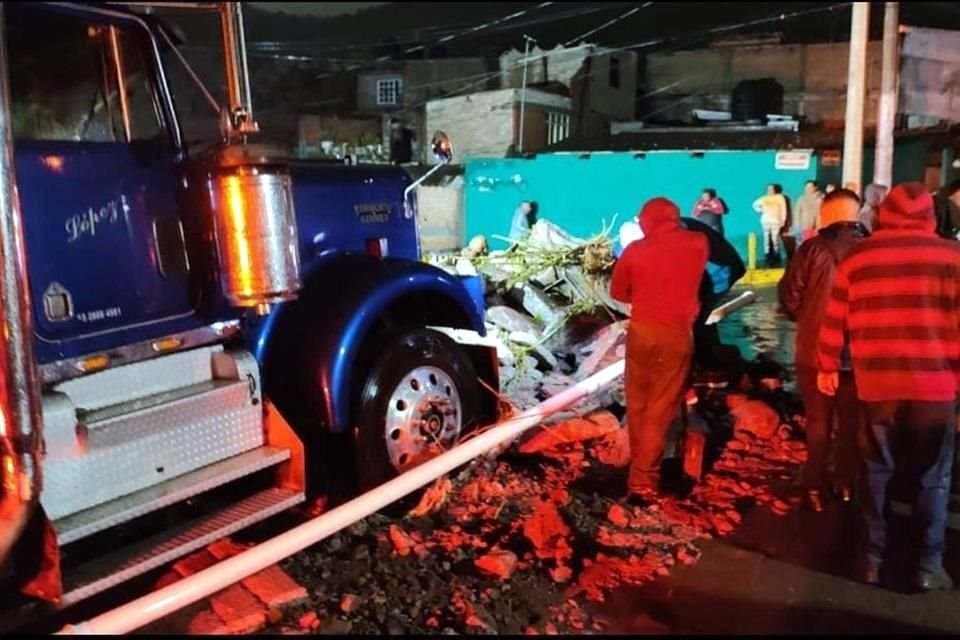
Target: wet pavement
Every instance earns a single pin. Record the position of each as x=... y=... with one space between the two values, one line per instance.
x=780 y=575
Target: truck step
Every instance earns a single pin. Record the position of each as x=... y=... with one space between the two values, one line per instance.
x=86 y=523
x=105 y=572
x=130 y=451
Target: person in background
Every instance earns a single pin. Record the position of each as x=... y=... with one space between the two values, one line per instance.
x=710 y=210
x=803 y=292
x=524 y=217
x=808 y=212
x=896 y=296
x=946 y=206
x=772 y=208
x=873 y=195
x=659 y=276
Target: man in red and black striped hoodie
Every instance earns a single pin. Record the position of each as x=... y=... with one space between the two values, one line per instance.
x=896 y=297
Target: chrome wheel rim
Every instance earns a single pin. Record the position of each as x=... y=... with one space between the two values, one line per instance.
x=424 y=417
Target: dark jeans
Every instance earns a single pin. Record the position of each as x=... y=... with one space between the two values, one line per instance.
x=820 y=412
x=916 y=437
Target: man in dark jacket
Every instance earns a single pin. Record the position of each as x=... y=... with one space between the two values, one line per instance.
x=659 y=276
x=895 y=298
x=804 y=291
x=946 y=206
x=724 y=268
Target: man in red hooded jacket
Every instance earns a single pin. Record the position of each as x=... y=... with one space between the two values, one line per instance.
x=897 y=295
x=659 y=276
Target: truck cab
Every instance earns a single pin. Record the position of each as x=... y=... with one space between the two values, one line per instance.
x=210 y=328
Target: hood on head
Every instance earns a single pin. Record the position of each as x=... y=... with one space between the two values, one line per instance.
x=909 y=206
x=658 y=214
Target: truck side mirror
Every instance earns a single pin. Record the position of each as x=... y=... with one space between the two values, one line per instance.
x=442 y=148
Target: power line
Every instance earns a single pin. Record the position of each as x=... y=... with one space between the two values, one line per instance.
x=608 y=23
x=649 y=43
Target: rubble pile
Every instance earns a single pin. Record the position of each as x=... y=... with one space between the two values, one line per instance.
x=546 y=295
x=525 y=543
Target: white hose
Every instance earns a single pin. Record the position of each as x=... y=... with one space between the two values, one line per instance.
x=174 y=597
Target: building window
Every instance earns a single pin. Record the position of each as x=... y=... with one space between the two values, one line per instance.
x=388 y=91
x=615 y=72
x=558 y=127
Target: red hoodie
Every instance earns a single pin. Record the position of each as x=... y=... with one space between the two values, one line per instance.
x=896 y=295
x=660 y=274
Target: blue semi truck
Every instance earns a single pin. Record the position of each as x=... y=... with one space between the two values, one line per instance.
x=196 y=337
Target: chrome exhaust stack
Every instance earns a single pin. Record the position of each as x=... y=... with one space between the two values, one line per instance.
x=20 y=408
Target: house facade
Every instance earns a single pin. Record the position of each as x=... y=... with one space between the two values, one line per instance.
x=487 y=123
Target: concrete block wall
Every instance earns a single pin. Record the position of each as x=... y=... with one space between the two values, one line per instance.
x=486 y=124
x=814 y=79
x=440 y=212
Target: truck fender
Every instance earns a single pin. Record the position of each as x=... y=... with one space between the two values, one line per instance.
x=346 y=299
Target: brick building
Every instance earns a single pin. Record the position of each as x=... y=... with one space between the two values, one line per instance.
x=487 y=124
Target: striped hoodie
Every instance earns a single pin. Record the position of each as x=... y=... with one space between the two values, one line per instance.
x=897 y=297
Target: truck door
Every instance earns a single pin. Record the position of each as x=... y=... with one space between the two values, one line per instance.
x=96 y=166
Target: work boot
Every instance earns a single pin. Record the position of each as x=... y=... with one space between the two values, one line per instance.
x=938 y=580
x=814 y=500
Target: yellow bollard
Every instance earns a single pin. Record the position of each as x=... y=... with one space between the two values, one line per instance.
x=752 y=251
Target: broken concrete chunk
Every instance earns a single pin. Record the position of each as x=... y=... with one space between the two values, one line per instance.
x=555 y=383
x=512 y=320
x=537 y=304
x=498 y=563
x=542 y=354
x=464 y=267
x=589 y=427
x=757 y=418
x=603 y=349
x=546 y=235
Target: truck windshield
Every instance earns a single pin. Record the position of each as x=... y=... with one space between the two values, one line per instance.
x=63 y=79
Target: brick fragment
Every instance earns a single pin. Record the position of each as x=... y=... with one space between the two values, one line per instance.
x=239 y=609
x=274 y=587
x=206 y=623
x=194 y=563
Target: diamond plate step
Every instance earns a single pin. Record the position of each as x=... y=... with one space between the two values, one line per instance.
x=106 y=572
x=95 y=418
x=134 y=450
x=86 y=523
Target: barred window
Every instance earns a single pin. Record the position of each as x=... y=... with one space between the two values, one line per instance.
x=558 y=127
x=389 y=91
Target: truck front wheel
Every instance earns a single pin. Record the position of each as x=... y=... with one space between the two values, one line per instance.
x=420 y=398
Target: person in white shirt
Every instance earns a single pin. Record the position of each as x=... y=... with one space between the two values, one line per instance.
x=808 y=212
x=772 y=208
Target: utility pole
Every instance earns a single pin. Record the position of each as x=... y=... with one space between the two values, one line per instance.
x=523 y=90
x=887 y=109
x=856 y=90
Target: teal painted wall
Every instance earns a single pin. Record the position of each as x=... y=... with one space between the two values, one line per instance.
x=580 y=194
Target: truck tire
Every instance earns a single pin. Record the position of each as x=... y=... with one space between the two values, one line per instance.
x=420 y=397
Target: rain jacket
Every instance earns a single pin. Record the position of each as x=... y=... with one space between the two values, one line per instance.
x=660 y=275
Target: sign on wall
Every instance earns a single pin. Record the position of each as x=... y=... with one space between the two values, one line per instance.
x=792 y=160
x=830 y=158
